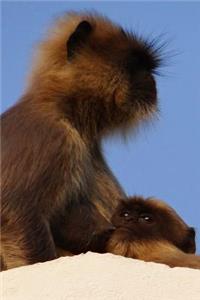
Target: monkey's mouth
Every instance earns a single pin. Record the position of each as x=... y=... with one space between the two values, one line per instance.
x=145 y=92
x=147 y=99
x=125 y=226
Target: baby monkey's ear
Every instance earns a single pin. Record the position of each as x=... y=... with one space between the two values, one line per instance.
x=189 y=244
x=78 y=37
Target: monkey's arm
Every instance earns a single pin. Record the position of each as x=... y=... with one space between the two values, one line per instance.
x=81 y=221
x=107 y=190
x=165 y=253
x=154 y=251
x=43 y=157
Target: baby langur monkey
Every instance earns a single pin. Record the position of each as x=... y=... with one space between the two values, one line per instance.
x=150 y=230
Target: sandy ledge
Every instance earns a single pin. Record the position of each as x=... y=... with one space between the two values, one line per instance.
x=94 y=276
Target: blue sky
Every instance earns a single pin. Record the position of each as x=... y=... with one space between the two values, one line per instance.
x=162 y=159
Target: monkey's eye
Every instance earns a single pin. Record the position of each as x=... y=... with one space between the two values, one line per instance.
x=125 y=214
x=145 y=218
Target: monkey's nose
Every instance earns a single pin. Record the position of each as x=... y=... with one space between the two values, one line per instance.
x=111 y=228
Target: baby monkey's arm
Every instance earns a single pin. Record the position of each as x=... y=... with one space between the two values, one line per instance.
x=153 y=251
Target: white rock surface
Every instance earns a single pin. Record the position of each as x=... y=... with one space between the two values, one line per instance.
x=94 y=276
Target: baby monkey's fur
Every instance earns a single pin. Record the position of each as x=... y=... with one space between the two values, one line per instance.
x=150 y=230
x=89 y=78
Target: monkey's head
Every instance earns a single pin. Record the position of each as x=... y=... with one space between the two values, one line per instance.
x=102 y=75
x=155 y=220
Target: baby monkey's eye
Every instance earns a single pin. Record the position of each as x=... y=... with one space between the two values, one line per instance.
x=125 y=214
x=145 y=218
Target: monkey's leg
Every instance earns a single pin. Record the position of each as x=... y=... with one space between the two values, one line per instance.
x=26 y=241
x=81 y=229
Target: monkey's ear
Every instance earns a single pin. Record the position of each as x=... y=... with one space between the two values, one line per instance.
x=78 y=37
x=190 y=245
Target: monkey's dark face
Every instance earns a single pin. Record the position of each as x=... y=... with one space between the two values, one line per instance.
x=104 y=75
x=153 y=219
x=113 y=71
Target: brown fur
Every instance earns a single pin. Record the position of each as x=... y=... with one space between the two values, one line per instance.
x=165 y=239
x=52 y=163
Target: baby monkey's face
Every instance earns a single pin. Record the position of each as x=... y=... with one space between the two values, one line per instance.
x=153 y=219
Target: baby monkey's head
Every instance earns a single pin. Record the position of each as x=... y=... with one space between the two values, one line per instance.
x=153 y=219
x=103 y=75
